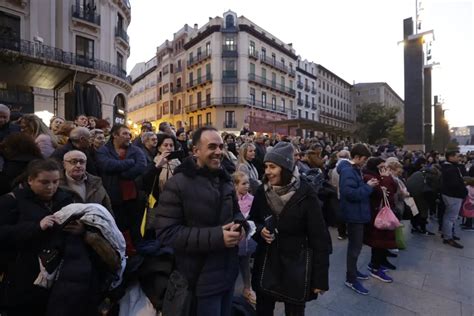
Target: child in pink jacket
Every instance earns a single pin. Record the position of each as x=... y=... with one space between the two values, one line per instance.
x=246 y=246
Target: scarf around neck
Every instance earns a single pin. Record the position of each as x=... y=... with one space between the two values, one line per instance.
x=278 y=196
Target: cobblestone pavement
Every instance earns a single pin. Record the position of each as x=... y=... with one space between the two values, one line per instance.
x=431 y=279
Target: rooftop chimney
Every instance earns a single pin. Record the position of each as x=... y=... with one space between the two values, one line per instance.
x=195 y=26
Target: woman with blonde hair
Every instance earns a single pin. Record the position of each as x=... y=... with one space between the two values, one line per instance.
x=246 y=165
x=55 y=124
x=32 y=125
x=64 y=131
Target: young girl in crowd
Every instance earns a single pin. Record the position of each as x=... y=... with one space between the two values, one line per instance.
x=246 y=246
x=467 y=211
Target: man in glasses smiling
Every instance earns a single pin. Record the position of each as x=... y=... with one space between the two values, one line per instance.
x=86 y=188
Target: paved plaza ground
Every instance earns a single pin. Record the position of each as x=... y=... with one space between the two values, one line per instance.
x=431 y=279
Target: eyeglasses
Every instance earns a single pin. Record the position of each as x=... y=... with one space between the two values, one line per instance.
x=76 y=161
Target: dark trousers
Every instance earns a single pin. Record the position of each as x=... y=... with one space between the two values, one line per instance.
x=379 y=256
x=128 y=216
x=355 y=234
x=342 y=229
x=266 y=305
x=216 y=305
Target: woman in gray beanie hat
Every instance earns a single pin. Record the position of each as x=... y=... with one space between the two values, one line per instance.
x=292 y=256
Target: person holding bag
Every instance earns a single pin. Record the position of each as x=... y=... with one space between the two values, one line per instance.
x=292 y=256
x=380 y=240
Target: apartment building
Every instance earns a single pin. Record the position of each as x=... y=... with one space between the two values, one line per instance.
x=56 y=52
x=306 y=92
x=380 y=93
x=227 y=73
x=334 y=100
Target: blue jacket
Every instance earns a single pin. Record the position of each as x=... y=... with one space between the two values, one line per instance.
x=112 y=169
x=354 y=194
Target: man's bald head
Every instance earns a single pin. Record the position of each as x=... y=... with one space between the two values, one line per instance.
x=80 y=137
x=74 y=154
x=344 y=154
x=75 y=164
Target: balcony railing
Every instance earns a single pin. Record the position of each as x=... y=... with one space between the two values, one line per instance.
x=236 y=101
x=313 y=91
x=201 y=80
x=292 y=72
x=230 y=124
x=314 y=106
x=177 y=90
x=253 y=54
x=198 y=58
x=293 y=114
x=45 y=52
x=272 y=84
x=307 y=104
x=275 y=64
x=229 y=76
x=300 y=102
x=178 y=69
x=86 y=14
x=307 y=88
x=229 y=50
x=299 y=84
x=121 y=33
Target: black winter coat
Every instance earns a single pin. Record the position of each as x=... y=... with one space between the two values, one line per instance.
x=452 y=180
x=21 y=239
x=300 y=219
x=192 y=209
x=12 y=168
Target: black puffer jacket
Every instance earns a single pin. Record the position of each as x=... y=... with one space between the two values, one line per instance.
x=452 y=180
x=190 y=217
x=301 y=219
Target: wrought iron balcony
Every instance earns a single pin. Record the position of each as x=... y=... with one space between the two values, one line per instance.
x=122 y=34
x=177 y=90
x=271 y=84
x=53 y=54
x=198 y=58
x=253 y=54
x=313 y=91
x=275 y=64
x=307 y=88
x=299 y=84
x=300 y=102
x=314 y=106
x=201 y=80
x=229 y=50
x=87 y=13
x=229 y=76
x=307 y=104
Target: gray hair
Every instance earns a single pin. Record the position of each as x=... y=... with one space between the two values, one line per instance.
x=79 y=132
x=146 y=136
x=344 y=154
x=69 y=153
x=4 y=108
x=96 y=131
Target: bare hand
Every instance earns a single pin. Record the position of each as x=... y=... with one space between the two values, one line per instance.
x=48 y=222
x=75 y=227
x=231 y=238
x=160 y=160
x=373 y=182
x=269 y=237
x=318 y=291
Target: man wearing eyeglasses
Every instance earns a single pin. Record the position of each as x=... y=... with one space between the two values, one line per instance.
x=86 y=188
x=79 y=139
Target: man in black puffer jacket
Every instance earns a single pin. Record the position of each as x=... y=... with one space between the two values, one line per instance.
x=453 y=191
x=196 y=217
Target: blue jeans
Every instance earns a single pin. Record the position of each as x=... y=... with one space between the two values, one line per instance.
x=453 y=206
x=216 y=305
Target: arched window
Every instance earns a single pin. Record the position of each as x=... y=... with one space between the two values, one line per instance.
x=229 y=21
x=119 y=101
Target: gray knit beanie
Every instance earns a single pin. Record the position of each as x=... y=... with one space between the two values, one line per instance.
x=281 y=155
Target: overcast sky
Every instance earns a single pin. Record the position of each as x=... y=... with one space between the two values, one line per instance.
x=355 y=39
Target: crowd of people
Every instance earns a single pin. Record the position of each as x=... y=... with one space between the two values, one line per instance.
x=93 y=221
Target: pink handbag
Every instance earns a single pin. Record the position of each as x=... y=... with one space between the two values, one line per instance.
x=386 y=219
x=467 y=209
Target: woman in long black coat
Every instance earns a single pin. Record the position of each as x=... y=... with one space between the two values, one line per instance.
x=292 y=257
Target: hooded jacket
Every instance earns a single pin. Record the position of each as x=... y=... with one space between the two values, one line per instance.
x=354 y=194
x=193 y=207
